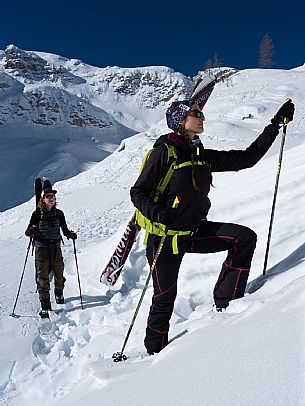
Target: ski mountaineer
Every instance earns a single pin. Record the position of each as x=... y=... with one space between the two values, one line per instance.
x=183 y=207
x=44 y=228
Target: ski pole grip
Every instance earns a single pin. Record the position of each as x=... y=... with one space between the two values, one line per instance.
x=286 y=121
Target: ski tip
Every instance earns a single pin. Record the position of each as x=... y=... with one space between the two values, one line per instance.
x=108 y=280
x=46 y=184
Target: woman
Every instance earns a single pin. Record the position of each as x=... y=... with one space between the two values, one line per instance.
x=184 y=206
x=44 y=228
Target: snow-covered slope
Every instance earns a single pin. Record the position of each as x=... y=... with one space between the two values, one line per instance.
x=251 y=355
x=63 y=115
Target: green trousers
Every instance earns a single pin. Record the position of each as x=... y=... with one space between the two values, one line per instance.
x=47 y=260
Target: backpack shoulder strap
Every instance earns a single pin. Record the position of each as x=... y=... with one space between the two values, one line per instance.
x=145 y=159
x=38 y=214
x=171 y=161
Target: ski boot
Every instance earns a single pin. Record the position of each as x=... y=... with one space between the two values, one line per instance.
x=218 y=309
x=59 y=297
x=44 y=314
x=45 y=307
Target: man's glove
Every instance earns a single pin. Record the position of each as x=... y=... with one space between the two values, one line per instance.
x=72 y=235
x=286 y=111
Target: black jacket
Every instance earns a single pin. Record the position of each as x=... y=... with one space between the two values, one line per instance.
x=194 y=204
x=48 y=224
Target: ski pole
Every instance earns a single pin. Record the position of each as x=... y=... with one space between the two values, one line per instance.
x=119 y=356
x=80 y=291
x=275 y=192
x=21 y=279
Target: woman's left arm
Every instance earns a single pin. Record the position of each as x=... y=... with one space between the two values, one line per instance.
x=63 y=223
x=235 y=160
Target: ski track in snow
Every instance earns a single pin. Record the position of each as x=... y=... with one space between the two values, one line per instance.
x=59 y=361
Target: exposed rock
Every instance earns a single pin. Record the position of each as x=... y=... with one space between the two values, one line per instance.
x=47 y=89
x=31 y=66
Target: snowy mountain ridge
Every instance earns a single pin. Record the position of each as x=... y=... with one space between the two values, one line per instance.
x=77 y=113
x=125 y=89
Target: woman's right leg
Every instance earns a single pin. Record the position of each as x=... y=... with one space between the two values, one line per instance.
x=42 y=274
x=164 y=276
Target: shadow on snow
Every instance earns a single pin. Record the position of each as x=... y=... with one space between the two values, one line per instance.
x=294 y=259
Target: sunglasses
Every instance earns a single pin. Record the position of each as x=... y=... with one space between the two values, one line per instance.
x=196 y=113
x=50 y=197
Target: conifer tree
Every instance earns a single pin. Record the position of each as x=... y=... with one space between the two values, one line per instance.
x=266 y=52
x=208 y=65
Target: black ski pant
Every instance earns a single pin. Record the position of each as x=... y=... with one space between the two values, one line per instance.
x=238 y=241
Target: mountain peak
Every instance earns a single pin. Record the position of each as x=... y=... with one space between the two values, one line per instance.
x=22 y=62
x=14 y=49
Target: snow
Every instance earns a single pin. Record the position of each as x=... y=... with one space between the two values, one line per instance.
x=250 y=355
x=71 y=114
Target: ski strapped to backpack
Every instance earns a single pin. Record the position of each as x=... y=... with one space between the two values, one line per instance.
x=156 y=228
x=113 y=269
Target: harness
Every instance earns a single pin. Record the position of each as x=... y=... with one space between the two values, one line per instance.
x=156 y=228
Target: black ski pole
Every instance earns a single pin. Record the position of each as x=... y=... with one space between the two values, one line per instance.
x=119 y=356
x=275 y=193
x=80 y=291
x=21 y=279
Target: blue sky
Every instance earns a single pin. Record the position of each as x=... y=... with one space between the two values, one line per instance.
x=181 y=35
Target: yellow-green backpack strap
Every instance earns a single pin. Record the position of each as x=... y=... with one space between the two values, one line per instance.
x=145 y=159
x=146 y=237
x=171 y=153
x=189 y=163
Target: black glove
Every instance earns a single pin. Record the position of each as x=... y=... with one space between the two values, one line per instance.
x=72 y=235
x=286 y=111
x=32 y=231
x=167 y=217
